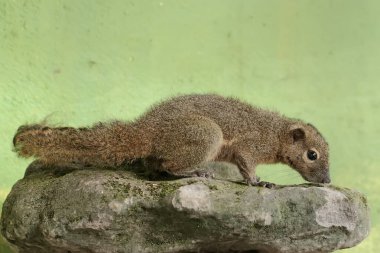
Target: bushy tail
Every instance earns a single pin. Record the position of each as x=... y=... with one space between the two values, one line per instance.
x=104 y=144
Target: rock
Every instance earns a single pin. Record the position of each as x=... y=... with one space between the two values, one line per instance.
x=66 y=210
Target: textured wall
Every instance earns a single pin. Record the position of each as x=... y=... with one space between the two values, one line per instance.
x=79 y=61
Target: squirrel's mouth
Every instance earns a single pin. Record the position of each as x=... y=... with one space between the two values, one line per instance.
x=302 y=173
x=289 y=162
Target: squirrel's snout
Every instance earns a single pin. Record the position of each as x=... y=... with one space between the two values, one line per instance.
x=326 y=179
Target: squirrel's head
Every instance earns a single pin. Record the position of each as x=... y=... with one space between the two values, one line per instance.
x=306 y=151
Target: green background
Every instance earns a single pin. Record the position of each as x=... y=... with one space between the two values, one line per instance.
x=76 y=62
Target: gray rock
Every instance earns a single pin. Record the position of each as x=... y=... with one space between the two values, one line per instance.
x=89 y=210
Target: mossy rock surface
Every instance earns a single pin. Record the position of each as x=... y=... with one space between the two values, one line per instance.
x=88 y=210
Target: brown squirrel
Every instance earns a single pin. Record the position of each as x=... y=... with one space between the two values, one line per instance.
x=182 y=134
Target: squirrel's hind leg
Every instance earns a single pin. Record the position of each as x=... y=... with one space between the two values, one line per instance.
x=186 y=143
x=200 y=170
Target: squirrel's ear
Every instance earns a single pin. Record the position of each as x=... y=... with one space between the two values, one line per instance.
x=297 y=133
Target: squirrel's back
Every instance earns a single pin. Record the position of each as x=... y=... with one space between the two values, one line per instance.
x=232 y=115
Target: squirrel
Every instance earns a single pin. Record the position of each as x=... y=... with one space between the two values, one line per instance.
x=182 y=134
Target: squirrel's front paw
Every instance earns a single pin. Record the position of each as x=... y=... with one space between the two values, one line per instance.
x=257 y=182
x=265 y=184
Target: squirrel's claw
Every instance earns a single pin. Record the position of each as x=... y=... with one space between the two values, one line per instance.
x=266 y=184
x=259 y=183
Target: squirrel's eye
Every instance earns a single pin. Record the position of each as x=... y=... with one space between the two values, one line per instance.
x=312 y=155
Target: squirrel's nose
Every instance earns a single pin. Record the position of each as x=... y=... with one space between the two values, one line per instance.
x=326 y=179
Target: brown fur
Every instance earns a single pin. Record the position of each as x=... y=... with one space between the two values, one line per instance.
x=183 y=133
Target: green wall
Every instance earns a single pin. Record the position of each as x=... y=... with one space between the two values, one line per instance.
x=77 y=62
